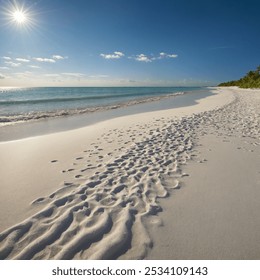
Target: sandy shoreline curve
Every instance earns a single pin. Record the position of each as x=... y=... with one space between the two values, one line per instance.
x=108 y=191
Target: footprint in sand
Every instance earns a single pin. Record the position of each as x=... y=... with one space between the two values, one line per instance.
x=79 y=158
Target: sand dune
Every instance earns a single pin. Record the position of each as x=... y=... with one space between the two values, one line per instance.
x=106 y=211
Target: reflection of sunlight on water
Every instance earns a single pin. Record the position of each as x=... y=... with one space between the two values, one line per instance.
x=6 y=89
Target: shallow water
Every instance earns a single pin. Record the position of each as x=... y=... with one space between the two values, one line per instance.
x=46 y=126
x=18 y=104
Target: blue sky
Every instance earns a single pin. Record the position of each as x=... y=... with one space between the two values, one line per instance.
x=128 y=43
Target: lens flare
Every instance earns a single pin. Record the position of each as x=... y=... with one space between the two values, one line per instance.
x=19 y=17
x=13 y=14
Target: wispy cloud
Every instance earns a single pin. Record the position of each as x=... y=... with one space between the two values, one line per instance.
x=59 y=57
x=98 y=76
x=73 y=74
x=40 y=59
x=52 y=75
x=2 y=76
x=4 y=68
x=149 y=58
x=7 y=58
x=114 y=55
x=166 y=55
x=13 y=64
x=22 y=60
x=53 y=59
x=23 y=74
x=142 y=57
x=34 y=66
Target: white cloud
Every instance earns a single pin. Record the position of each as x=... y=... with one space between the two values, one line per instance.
x=7 y=58
x=26 y=73
x=40 y=59
x=166 y=55
x=12 y=64
x=2 y=76
x=77 y=75
x=139 y=57
x=98 y=76
x=114 y=55
x=172 y=55
x=22 y=60
x=4 y=68
x=52 y=75
x=119 y=53
x=34 y=66
x=50 y=60
x=58 y=57
x=143 y=58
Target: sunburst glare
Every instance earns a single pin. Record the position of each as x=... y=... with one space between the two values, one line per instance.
x=19 y=17
x=15 y=14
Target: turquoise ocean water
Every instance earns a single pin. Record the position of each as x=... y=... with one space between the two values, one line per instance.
x=23 y=104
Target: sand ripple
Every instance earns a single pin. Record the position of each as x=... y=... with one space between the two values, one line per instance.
x=108 y=215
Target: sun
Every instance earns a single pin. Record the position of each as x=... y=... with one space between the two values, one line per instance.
x=19 y=17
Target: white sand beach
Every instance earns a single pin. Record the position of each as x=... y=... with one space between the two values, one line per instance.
x=173 y=184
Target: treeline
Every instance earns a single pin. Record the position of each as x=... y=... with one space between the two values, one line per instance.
x=250 y=80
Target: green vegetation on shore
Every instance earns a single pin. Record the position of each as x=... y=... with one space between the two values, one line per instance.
x=250 y=80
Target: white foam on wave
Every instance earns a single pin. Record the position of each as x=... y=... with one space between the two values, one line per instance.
x=34 y=116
